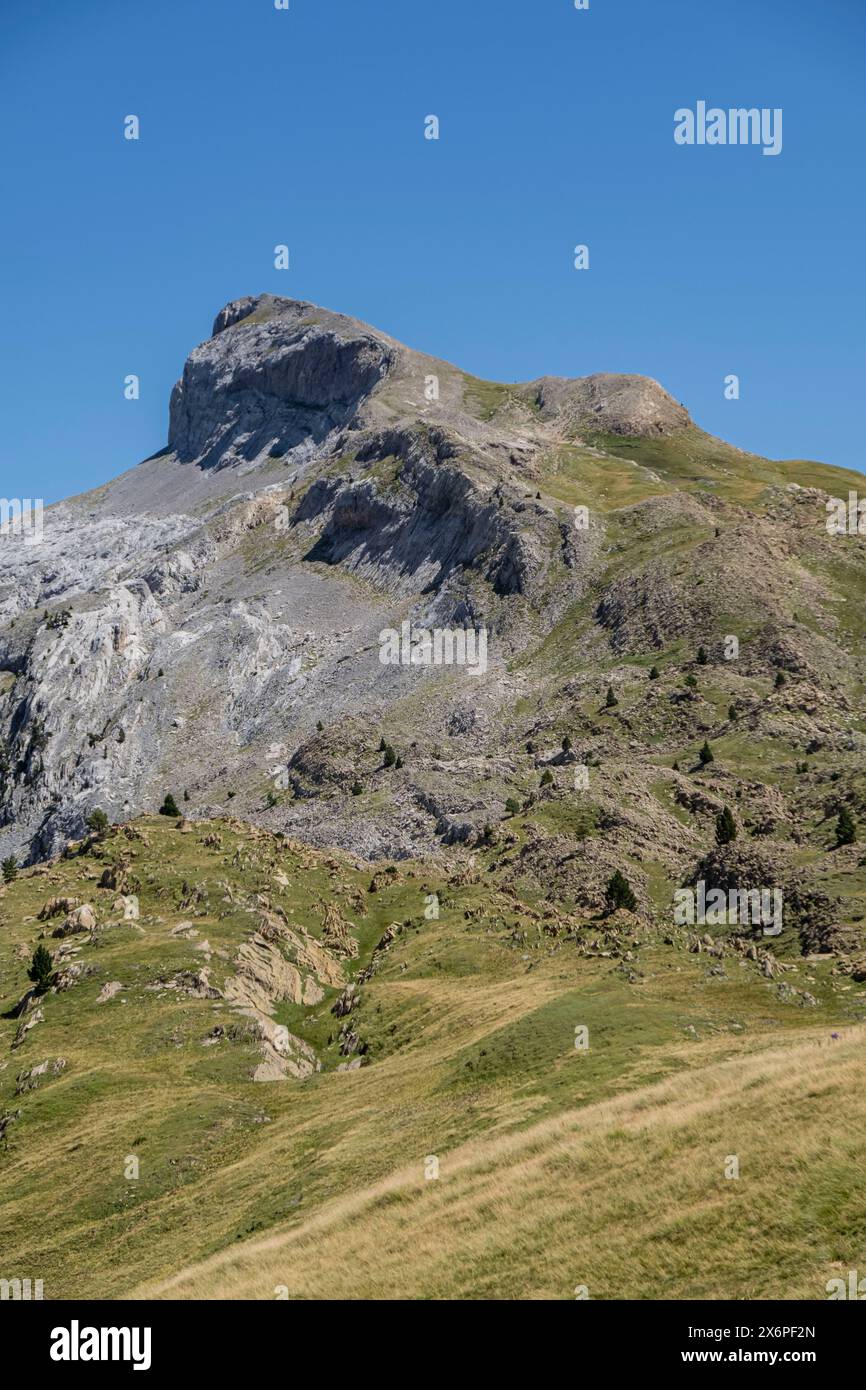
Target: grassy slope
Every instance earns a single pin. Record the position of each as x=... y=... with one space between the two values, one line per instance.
x=626 y=1197
x=471 y=1044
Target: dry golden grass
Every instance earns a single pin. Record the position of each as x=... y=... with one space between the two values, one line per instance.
x=557 y=1168
x=627 y=1197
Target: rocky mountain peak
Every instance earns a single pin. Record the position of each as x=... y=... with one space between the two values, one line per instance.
x=284 y=376
x=211 y=620
x=610 y=402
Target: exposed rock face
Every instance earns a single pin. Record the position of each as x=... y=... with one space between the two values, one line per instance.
x=435 y=525
x=272 y=377
x=212 y=622
x=266 y=977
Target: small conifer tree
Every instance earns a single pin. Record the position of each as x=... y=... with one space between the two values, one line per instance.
x=619 y=893
x=41 y=969
x=97 y=821
x=846 y=828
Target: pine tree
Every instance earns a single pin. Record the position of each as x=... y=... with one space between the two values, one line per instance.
x=512 y=805
x=732 y=713
x=610 y=699
x=546 y=777
x=41 y=969
x=390 y=756
x=566 y=744
x=726 y=827
x=10 y=869
x=357 y=789
x=702 y=656
x=98 y=822
x=705 y=755
x=382 y=745
x=169 y=805
x=654 y=673
x=619 y=893
x=780 y=679
x=846 y=828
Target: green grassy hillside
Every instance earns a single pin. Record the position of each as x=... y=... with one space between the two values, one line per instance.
x=466 y=1037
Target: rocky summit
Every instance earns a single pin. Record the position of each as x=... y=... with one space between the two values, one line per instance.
x=480 y=717
x=210 y=621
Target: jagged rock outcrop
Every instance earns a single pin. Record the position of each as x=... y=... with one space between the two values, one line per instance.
x=272 y=378
x=212 y=622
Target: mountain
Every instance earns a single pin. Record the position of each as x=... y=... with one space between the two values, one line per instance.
x=209 y=609
x=371 y=932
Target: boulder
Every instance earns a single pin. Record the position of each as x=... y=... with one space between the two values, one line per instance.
x=82 y=919
x=108 y=991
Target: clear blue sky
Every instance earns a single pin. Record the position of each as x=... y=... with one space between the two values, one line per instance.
x=306 y=127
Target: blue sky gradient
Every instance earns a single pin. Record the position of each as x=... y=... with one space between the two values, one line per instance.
x=306 y=127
